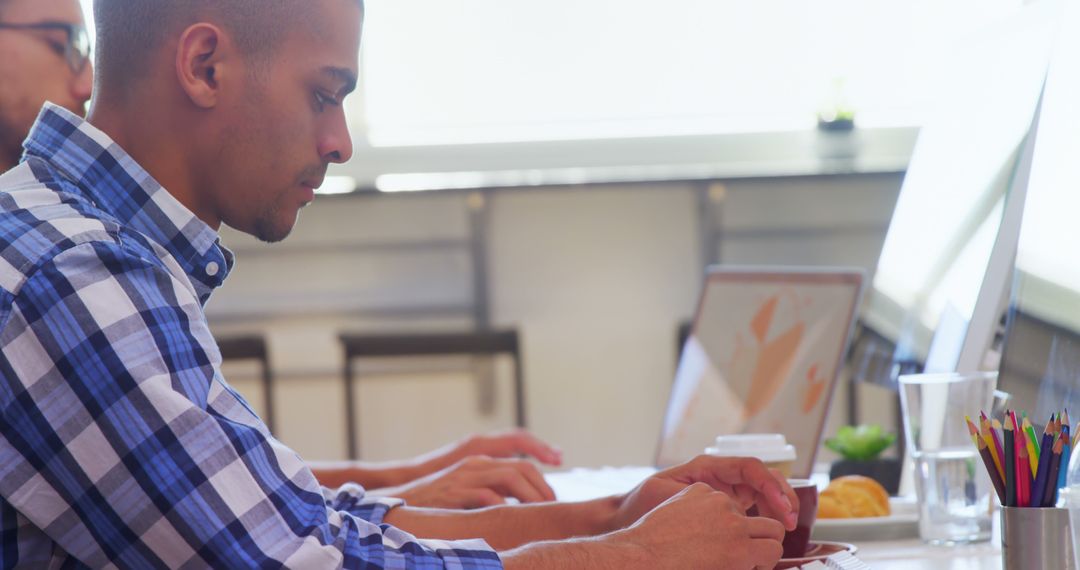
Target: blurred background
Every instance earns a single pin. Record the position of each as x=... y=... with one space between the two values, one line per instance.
x=563 y=172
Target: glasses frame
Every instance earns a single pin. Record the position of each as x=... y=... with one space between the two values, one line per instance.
x=76 y=48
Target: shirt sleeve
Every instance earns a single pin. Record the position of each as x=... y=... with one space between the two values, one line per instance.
x=124 y=444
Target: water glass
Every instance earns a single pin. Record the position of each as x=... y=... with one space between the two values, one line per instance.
x=953 y=488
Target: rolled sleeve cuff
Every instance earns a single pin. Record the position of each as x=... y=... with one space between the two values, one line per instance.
x=352 y=499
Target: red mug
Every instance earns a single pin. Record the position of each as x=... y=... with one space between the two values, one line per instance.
x=797 y=541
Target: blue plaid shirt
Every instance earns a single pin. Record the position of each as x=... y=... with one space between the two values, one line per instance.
x=121 y=445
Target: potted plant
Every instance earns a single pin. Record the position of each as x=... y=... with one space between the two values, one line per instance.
x=860 y=449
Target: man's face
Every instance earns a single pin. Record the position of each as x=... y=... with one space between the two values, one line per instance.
x=33 y=69
x=288 y=124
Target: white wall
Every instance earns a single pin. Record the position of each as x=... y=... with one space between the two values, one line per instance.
x=595 y=279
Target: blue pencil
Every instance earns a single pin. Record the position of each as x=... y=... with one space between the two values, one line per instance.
x=1055 y=465
x=1066 y=450
x=1042 y=474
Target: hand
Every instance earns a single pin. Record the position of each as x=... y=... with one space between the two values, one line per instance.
x=477 y=482
x=512 y=443
x=747 y=481
x=699 y=527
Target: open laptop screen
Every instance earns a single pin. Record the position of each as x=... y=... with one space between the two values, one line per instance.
x=762 y=357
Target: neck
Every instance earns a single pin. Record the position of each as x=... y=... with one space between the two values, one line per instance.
x=6 y=165
x=142 y=134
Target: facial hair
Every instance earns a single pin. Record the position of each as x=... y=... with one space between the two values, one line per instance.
x=266 y=228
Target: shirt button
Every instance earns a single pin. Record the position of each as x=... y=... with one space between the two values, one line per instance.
x=212 y=268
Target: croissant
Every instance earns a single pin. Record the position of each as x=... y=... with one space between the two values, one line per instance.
x=853 y=496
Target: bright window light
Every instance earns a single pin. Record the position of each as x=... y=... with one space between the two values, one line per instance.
x=473 y=71
x=337 y=185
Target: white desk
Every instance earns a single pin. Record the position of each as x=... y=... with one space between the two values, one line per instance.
x=915 y=555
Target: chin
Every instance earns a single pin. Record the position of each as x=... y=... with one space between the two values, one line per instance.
x=273 y=231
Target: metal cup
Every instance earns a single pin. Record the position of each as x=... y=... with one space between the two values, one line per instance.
x=1036 y=539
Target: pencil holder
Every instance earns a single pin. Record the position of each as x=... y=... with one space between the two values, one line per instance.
x=1036 y=539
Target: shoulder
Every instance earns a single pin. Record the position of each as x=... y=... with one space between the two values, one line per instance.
x=43 y=216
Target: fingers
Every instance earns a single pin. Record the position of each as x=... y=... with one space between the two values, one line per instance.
x=765 y=552
x=761 y=527
x=772 y=492
x=792 y=497
x=509 y=482
x=774 y=496
x=480 y=498
x=524 y=443
x=535 y=478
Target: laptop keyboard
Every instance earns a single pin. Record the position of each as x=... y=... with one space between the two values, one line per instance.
x=587 y=484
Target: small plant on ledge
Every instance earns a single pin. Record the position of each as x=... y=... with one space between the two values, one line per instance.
x=860 y=449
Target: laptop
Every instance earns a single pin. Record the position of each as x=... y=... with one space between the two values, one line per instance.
x=763 y=356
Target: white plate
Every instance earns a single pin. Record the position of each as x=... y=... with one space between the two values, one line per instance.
x=902 y=523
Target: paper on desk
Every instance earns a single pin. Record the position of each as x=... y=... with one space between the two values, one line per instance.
x=838 y=561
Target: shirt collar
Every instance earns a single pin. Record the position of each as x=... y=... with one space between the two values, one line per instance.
x=123 y=189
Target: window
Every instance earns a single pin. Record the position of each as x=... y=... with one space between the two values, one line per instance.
x=472 y=71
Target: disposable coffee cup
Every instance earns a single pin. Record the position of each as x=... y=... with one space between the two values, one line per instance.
x=771 y=448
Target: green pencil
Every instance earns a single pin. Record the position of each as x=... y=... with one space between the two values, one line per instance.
x=1030 y=431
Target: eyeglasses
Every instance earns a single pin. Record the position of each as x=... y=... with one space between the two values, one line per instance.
x=76 y=50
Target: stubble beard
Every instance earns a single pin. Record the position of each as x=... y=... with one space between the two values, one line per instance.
x=266 y=227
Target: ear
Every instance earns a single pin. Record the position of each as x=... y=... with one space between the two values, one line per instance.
x=200 y=60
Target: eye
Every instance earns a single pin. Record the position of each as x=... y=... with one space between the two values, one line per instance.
x=57 y=47
x=322 y=100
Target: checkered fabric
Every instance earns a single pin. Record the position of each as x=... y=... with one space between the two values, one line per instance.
x=121 y=444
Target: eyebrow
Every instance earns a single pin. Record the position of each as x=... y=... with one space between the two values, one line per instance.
x=346 y=76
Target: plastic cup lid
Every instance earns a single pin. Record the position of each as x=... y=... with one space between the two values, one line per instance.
x=767 y=447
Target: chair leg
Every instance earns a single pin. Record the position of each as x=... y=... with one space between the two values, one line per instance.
x=351 y=437
x=268 y=393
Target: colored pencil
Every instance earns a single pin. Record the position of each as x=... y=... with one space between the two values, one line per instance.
x=996 y=434
x=1023 y=476
x=1023 y=466
x=988 y=460
x=1066 y=451
x=1055 y=465
x=991 y=444
x=972 y=430
x=1042 y=474
x=1010 y=466
x=1033 y=453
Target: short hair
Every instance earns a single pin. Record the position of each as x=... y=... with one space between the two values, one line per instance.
x=129 y=31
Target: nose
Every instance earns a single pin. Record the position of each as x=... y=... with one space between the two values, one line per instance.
x=83 y=84
x=335 y=144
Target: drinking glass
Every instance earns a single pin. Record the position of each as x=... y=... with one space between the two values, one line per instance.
x=953 y=488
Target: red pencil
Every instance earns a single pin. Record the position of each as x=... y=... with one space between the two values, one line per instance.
x=1023 y=477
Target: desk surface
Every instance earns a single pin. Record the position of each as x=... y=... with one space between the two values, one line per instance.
x=915 y=555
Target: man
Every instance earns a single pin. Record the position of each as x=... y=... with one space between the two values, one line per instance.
x=120 y=442
x=46 y=58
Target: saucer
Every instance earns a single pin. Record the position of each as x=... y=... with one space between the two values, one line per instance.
x=818 y=550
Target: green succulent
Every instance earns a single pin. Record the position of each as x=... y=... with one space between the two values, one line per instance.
x=862 y=443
